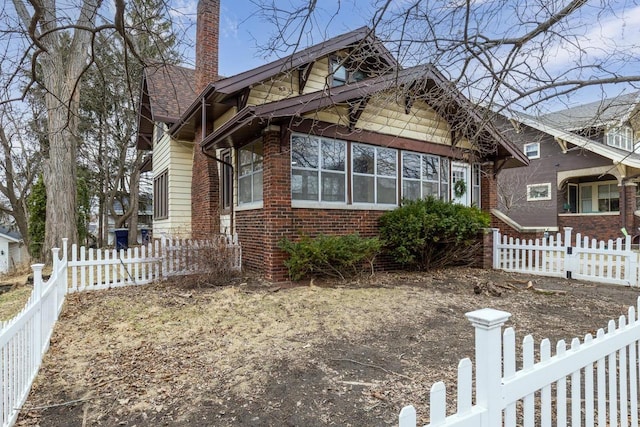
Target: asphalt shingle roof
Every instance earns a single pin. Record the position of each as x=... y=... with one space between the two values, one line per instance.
x=594 y=114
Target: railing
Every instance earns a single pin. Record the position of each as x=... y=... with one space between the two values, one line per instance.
x=25 y=338
x=599 y=375
x=611 y=262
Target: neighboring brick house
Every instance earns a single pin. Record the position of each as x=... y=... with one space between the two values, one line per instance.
x=583 y=171
x=322 y=141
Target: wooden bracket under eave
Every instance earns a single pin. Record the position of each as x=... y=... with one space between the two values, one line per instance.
x=303 y=77
x=355 y=111
x=622 y=170
x=562 y=143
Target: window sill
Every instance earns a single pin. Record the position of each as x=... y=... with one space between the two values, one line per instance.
x=249 y=206
x=343 y=206
x=590 y=214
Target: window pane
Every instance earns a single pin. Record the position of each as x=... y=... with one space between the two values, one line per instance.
x=304 y=152
x=444 y=170
x=363 y=189
x=257 y=187
x=429 y=189
x=603 y=191
x=304 y=185
x=387 y=159
x=333 y=187
x=387 y=190
x=411 y=165
x=244 y=189
x=245 y=161
x=363 y=159
x=444 y=192
x=431 y=166
x=411 y=189
x=333 y=155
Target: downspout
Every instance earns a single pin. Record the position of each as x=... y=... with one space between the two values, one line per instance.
x=229 y=165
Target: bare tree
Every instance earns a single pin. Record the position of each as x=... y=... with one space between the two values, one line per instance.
x=19 y=167
x=51 y=45
x=501 y=53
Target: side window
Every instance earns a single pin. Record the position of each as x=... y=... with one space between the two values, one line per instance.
x=250 y=173
x=161 y=195
x=227 y=180
x=532 y=150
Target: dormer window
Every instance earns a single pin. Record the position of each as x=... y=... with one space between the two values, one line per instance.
x=620 y=137
x=341 y=75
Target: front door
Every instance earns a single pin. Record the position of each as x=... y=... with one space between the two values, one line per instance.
x=461 y=193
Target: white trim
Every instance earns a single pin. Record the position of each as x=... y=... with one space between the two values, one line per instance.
x=510 y=222
x=305 y=204
x=614 y=213
x=536 y=156
x=249 y=206
x=580 y=141
x=10 y=239
x=537 y=199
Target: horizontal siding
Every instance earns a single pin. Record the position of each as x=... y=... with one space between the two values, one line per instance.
x=280 y=87
x=318 y=76
x=337 y=114
x=161 y=153
x=384 y=115
x=225 y=117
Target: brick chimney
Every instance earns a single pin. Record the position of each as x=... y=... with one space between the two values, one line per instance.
x=207 y=33
x=205 y=189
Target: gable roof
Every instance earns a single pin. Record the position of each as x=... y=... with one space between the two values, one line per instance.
x=615 y=154
x=166 y=91
x=363 y=38
x=425 y=79
x=11 y=236
x=611 y=111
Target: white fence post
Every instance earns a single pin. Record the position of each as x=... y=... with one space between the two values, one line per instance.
x=488 y=325
x=37 y=295
x=571 y=260
x=494 y=242
x=407 y=417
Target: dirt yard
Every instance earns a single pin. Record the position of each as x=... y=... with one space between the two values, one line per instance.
x=323 y=354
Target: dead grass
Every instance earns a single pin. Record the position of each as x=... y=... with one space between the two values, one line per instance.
x=13 y=301
x=333 y=354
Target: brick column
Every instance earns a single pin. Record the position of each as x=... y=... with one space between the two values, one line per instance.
x=629 y=189
x=276 y=202
x=205 y=195
x=488 y=188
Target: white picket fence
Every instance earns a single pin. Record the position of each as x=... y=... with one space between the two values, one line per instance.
x=93 y=269
x=25 y=338
x=611 y=262
x=594 y=382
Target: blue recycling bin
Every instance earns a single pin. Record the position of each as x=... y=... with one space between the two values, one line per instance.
x=122 y=238
x=144 y=235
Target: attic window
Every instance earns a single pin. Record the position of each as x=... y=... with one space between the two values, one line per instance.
x=341 y=75
x=620 y=137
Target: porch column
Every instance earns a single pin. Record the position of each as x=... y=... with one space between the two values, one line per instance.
x=488 y=188
x=628 y=206
x=276 y=201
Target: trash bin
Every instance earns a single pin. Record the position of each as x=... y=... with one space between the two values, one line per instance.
x=144 y=235
x=122 y=238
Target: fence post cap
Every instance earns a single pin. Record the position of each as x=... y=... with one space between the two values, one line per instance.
x=37 y=267
x=488 y=318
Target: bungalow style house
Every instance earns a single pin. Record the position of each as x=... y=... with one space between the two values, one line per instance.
x=322 y=141
x=583 y=171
